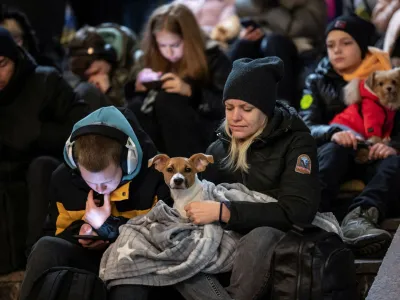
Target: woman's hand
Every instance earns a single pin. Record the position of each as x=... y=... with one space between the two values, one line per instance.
x=206 y=212
x=346 y=139
x=94 y=215
x=174 y=84
x=380 y=151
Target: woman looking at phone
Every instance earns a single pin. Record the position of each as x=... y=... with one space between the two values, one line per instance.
x=181 y=112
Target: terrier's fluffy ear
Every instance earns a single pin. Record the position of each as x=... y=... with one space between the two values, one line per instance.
x=398 y=72
x=159 y=161
x=370 y=82
x=201 y=161
x=352 y=92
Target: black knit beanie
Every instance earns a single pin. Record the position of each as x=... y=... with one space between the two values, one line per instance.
x=360 y=30
x=8 y=47
x=255 y=82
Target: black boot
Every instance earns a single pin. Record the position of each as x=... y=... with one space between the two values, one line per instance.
x=361 y=232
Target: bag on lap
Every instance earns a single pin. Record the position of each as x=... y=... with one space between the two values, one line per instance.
x=64 y=283
x=312 y=265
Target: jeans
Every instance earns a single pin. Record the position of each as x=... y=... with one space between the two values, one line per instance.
x=336 y=165
x=250 y=273
x=383 y=190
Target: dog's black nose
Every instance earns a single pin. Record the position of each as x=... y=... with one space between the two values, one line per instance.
x=389 y=88
x=178 y=181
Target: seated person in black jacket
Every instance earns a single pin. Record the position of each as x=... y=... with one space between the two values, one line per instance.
x=37 y=112
x=101 y=162
x=349 y=57
x=264 y=145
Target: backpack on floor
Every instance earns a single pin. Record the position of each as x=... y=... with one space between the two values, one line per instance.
x=64 y=283
x=312 y=265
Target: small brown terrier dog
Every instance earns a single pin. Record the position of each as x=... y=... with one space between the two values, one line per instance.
x=180 y=174
x=386 y=85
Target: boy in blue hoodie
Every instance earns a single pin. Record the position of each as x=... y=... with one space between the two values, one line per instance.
x=104 y=182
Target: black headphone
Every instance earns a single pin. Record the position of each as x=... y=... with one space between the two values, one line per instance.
x=129 y=155
x=107 y=52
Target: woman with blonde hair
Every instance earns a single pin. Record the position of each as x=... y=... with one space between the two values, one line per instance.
x=192 y=70
x=264 y=145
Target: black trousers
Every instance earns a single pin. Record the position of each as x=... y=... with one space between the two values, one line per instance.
x=38 y=179
x=51 y=252
x=336 y=165
x=174 y=125
x=274 y=45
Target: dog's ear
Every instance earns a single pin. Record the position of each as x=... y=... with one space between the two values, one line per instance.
x=370 y=82
x=201 y=161
x=159 y=161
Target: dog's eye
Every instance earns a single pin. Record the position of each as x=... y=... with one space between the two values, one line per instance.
x=380 y=83
x=170 y=170
x=394 y=82
x=188 y=170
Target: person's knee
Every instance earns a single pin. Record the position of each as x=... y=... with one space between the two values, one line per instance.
x=48 y=245
x=336 y=151
x=392 y=162
x=261 y=237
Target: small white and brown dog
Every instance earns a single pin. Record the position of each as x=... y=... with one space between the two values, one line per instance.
x=180 y=174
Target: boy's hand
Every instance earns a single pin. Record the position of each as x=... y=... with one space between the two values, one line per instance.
x=86 y=229
x=94 y=215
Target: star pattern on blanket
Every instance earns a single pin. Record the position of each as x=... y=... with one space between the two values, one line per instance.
x=125 y=252
x=197 y=236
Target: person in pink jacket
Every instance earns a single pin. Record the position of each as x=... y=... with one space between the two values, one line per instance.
x=210 y=13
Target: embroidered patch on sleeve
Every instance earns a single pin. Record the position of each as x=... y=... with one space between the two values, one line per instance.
x=306 y=102
x=303 y=165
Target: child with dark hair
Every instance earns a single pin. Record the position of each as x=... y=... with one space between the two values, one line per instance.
x=92 y=60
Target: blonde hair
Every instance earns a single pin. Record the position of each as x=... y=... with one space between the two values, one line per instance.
x=177 y=19
x=237 y=156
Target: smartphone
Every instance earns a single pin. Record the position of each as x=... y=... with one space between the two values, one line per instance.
x=363 y=144
x=99 y=197
x=153 y=85
x=247 y=22
x=89 y=237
